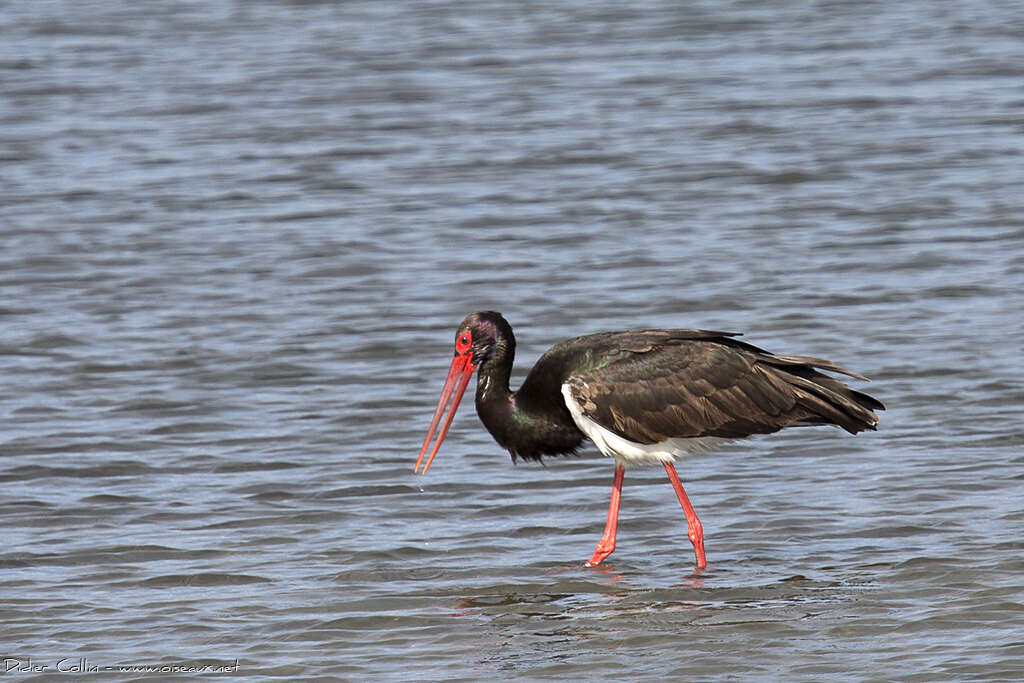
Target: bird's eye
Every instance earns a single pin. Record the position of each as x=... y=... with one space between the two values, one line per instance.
x=462 y=343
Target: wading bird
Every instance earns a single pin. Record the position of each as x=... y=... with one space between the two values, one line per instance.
x=642 y=396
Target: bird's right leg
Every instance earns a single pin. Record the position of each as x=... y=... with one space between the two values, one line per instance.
x=695 y=530
x=607 y=543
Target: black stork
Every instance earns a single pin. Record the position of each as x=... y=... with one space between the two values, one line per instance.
x=641 y=396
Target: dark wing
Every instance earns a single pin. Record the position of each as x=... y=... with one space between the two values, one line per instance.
x=721 y=387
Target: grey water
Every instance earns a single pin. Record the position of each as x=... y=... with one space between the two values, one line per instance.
x=236 y=239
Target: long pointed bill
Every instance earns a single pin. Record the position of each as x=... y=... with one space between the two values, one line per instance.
x=461 y=365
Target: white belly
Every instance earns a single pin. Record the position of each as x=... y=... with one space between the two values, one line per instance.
x=628 y=452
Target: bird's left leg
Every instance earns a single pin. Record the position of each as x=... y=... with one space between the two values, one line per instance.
x=695 y=530
x=607 y=543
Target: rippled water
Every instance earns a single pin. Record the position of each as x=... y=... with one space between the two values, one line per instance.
x=237 y=239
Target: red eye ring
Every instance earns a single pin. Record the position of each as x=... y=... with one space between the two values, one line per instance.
x=463 y=342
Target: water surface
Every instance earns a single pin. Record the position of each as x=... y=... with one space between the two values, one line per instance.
x=237 y=239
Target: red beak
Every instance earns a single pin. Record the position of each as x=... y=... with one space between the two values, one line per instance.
x=460 y=364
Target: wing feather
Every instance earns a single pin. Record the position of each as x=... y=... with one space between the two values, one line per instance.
x=687 y=388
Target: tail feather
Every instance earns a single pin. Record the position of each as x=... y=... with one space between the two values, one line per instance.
x=836 y=403
x=813 y=362
x=826 y=399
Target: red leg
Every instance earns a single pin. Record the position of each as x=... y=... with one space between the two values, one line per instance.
x=695 y=530
x=607 y=543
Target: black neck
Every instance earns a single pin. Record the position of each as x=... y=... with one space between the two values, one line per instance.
x=527 y=428
x=492 y=389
